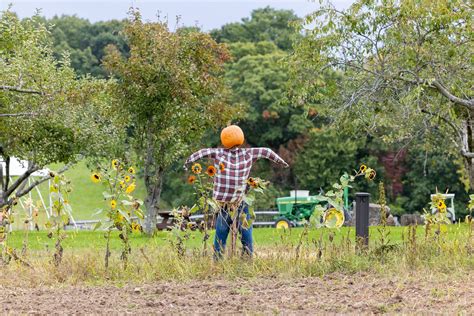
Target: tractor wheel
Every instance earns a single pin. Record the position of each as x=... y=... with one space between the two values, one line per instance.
x=282 y=223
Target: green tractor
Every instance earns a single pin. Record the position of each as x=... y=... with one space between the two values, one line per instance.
x=299 y=206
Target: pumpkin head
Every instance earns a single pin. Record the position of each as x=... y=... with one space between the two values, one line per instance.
x=232 y=136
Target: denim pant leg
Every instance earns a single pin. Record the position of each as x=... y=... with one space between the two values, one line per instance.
x=223 y=223
x=246 y=234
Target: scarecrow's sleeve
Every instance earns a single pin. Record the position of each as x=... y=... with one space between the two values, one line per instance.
x=206 y=152
x=267 y=153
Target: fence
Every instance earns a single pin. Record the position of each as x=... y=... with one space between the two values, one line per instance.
x=264 y=218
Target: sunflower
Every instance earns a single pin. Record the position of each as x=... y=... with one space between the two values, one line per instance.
x=115 y=164
x=196 y=168
x=363 y=168
x=221 y=167
x=130 y=188
x=372 y=175
x=113 y=204
x=127 y=178
x=252 y=182
x=441 y=206
x=131 y=170
x=191 y=179
x=95 y=177
x=211 y=171
x=136 y=227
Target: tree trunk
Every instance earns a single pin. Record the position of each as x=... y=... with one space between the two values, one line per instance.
x=468 y=150
x=469 y=162
x=154 y=187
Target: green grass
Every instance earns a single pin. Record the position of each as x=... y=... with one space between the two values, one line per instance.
x=85 y=198
x=279 y=254
x=263 y=237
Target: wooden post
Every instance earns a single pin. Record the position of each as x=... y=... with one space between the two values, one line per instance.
x=362 y=219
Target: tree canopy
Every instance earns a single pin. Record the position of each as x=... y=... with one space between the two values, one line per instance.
x=46 y=114
x=170 y=88
x=398 y=69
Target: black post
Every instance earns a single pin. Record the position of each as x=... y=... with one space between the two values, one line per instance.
x=362 y=219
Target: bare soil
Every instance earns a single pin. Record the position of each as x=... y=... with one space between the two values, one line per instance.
x=334 y=293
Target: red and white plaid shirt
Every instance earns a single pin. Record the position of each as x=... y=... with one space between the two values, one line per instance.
x=230 y=184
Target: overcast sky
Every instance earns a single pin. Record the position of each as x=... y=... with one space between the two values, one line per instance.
x=206 y=14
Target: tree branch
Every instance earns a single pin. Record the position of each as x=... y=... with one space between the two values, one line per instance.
x=36 y=183
x=20 y=180
x=467 y=154
x=469 y=103
x=21 y=90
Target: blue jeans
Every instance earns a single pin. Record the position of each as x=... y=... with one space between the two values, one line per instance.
x=223 y=226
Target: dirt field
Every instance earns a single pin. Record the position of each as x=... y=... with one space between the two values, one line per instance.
x=331 y=294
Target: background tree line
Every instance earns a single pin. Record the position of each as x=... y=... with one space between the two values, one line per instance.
x=298 y=129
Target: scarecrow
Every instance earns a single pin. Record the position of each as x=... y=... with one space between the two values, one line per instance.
x=230 y=184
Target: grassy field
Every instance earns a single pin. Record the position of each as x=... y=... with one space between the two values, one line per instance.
x=85 y=198
x=263 y=237
x=296 y=271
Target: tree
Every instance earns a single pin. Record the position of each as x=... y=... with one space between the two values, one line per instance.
x=397 y=69
x=265 y=24
x=85 y=42
x=428 y=173
x=328 y=155
x=46 y=114
x=259 y=82
x=171 y=90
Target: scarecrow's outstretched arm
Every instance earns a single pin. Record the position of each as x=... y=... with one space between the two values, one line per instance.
x=206 y=152
x=267 y=153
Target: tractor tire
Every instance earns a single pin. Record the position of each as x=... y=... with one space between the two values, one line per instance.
x=282 y=223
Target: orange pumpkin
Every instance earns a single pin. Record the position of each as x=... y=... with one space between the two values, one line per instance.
x=232 y=136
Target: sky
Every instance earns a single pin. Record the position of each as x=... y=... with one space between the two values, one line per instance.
x=208 y=14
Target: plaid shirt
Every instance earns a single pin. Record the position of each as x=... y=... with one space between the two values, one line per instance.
x=230 y=184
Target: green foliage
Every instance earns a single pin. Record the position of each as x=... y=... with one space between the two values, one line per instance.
x=393 y=68
x=326 y=156
x=430 y=172
x=259 y=82
x=47 y=115
x=122 y=210
x=85 y=42
x=170 y=91
x=61 y=214
x=266 y=24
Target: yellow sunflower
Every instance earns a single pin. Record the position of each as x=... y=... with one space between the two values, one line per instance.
x=113 y=204
x=131 y=170
x=136 y=227
x=95 y=177
x=127 y=178
x=130 y=188
x=211 y=171
x=441 y=206
x=115 y=164
x=363 y=168
x=372 y=175
x=196 y=168
x=122 y=184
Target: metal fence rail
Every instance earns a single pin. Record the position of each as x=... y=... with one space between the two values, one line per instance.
x=264 y=218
